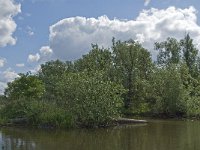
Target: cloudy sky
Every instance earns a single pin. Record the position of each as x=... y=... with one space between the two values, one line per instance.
x=35 y=31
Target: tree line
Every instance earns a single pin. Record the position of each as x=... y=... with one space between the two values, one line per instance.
x=108 y=83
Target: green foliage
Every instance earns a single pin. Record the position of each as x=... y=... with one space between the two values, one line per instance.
x=189 y=52
x=15 y=108
x=176 y=52
x=132 y=66
x=168 y=93
x=26 y=85
x=169 y=52
x=50 y=73
x=90 y=99
x=37 y=113
x=83 y=101
x=96 y=88
x=193 y=107
x=180 y=59
x=96 y=59
x=2 y=100
x=49 y=115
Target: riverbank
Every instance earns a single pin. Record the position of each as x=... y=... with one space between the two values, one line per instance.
x=138 y=119
x=19 y=122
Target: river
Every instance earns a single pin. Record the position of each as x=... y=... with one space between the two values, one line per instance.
x=156 y=135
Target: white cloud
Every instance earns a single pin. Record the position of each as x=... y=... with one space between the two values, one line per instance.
x=2 y=62
x=72 y=37
x=34 y=58
x=8 y=9
x=45 y=54
x=6 y=76
x=146 y=2
x=20 y=65
x=9 y=75
x=46 y=51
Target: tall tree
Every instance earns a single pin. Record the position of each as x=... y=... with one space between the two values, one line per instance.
x=173 y=52
x=169 y=52
x=190 y=53
x=132 y=63
x=98 y=59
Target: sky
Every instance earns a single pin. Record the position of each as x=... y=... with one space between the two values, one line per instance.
x=35 y=31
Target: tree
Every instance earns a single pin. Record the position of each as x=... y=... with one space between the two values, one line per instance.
x=132 y=65
x=2 y=100
x=189 y=53
x=182 y=57
x=169 y=52
x=51 y=73
x=169 y=95
x=26 y=86
x=97 y=59
x=91 y=100
x=176 y=52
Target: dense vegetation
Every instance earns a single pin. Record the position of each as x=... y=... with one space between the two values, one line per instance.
x=107 y=83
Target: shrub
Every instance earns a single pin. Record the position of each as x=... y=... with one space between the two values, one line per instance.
x=91 y=100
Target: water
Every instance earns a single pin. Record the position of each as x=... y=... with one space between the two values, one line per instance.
x=156 y=135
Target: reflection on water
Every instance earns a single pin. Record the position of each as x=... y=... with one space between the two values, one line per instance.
x=156 y=135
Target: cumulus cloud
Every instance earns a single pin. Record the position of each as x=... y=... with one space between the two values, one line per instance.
x=2 y=62
x=146 y=2
x=45 y=54
x=34 y=58
x=8 y=9
x=46 y=51
x=71 y=37
x=6 y=76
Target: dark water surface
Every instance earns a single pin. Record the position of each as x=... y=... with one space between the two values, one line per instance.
x=156 y=135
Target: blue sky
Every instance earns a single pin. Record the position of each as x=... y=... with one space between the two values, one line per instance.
x=35 y=31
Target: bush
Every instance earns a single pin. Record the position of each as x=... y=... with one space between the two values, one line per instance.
x=84 y=100
x=193 y=107
x=14 y=109
x=168 y=92
x=91 y=100
x=49 y=115
x=37 y=113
